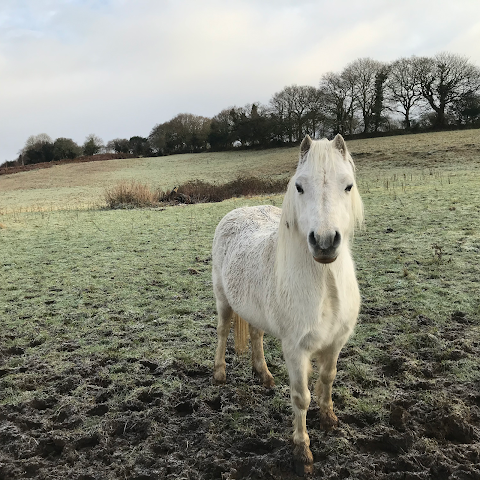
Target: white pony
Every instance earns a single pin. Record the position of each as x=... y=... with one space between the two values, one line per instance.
x=289 y=272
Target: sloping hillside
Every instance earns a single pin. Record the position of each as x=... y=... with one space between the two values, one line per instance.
x=82 y=184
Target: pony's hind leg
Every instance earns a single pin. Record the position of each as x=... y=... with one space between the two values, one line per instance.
x=223 y=329
x=327 y=365
x=258 y=357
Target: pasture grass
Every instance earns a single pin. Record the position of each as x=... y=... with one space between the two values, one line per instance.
x=113 y=310
x=137 y=282
x=109 y=286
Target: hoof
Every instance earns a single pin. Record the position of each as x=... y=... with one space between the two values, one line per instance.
x=268 y=381
x=301 y=469
x=303 y=460
x=328 y=420
x=219 y=377
x=265 y=377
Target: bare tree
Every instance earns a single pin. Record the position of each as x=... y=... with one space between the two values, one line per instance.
x=35 y=139
x=403 y=87
x=363 y=77
x=281 y=122
x=183 y=133
x=337 y=100
x=316 y=114
x=298 y=110
x=282 y=107
x=444 y=80
x=157 y=139
x=349 y=79
x=189 y=132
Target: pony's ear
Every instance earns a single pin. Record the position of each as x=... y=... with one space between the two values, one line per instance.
x=304 y=148
x=340 y=145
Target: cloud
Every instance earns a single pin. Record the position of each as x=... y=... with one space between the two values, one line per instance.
x=466 y=43
x=118 y=67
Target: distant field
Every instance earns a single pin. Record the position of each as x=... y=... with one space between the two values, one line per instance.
x=108 y=327
x=82 y=185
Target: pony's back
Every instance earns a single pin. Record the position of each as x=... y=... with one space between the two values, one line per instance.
x=243 y=258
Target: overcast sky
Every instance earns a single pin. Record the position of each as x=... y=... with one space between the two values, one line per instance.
x=116 y=68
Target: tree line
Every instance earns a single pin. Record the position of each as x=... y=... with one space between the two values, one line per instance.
x=41 y=148
x=367 y=97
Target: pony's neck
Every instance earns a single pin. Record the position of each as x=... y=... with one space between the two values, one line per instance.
x=302 y=281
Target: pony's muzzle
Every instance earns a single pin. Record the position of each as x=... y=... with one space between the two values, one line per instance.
x=324 y=247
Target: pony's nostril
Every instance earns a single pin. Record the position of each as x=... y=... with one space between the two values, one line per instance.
x=325 y=242
x=336 y=240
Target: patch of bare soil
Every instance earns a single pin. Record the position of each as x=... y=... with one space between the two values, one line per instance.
x=432 y=430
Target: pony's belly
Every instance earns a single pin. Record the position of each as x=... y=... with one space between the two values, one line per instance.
x=253 y=313
x=248 y=288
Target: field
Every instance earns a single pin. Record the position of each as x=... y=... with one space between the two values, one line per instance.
x=108 y=326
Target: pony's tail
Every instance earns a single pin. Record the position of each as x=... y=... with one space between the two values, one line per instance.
x=240 y=327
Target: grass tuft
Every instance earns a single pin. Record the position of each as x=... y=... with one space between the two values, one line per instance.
x=131 y=193
x=199 y=191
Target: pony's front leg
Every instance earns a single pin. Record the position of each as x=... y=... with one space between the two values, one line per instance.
x=298 y=364
x=258 y=357
x=327 y=365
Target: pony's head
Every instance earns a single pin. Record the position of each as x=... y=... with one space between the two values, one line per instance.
x=322 y=203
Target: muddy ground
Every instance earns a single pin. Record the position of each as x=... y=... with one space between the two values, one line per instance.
x=431 y=431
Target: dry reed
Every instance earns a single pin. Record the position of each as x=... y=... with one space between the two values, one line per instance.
x=134 y=194
x=131 y=193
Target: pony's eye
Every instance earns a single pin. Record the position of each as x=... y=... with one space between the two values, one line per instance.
x=349 y=187
x=299 y=188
